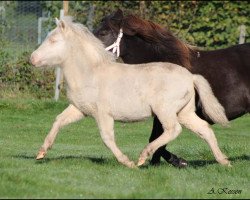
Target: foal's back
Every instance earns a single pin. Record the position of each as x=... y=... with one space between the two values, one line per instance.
x=149 y=74
x=130 y=92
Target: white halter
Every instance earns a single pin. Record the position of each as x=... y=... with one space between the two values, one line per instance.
x=116 y=45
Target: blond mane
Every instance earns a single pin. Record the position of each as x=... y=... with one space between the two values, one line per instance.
x=91 y=46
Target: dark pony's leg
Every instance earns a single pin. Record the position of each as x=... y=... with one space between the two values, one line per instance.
x=156 y=132
x=169 y=157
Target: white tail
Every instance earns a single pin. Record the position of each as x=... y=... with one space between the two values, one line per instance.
x=210 y=103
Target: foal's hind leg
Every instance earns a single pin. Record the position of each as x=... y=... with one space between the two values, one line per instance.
x=171 y=130
x=69 y=115
x=201 y=128
x=162 y=152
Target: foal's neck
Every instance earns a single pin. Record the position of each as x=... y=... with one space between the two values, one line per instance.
x=76 y=71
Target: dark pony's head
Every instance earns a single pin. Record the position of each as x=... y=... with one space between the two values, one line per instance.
x=163 y=42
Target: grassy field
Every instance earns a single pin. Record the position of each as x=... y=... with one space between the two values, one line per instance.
x=80 y=166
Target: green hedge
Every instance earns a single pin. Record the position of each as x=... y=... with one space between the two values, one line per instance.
x=207 y=24
x=17 y=75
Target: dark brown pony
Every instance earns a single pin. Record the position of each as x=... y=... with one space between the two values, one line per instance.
x=227 y=70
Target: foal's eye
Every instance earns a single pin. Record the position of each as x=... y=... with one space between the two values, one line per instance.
x=52 y=40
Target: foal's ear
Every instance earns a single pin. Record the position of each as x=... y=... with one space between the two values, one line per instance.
x=57 y=21
x=61 y=24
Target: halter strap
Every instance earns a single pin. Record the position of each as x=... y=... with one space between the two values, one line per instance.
x=116 y=45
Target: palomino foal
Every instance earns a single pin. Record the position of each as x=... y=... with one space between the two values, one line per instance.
x=108 y=91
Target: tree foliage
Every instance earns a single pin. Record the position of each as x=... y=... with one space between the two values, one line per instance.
x=208 y=24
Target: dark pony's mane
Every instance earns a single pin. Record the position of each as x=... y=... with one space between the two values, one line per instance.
x=160 y=38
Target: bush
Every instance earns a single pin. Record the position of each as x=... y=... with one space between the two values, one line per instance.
x=208 y=24
x=18 y=75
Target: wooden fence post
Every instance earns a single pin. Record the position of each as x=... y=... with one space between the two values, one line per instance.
x=59 y=74
x=90 y=16
x=142 y=7
x=242 y=34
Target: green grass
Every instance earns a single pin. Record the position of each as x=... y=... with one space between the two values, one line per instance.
x=80 y=166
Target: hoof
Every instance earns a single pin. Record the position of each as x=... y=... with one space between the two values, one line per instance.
x=129 y=164
x=225 y=162
x=132 y=165
x=141 y=162
x=41 y=154
x=178 y=162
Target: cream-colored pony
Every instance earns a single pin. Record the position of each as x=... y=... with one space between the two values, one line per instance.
x=106 y=90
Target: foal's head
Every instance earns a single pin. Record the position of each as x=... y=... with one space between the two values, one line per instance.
x=69 y=41
x=53 y=50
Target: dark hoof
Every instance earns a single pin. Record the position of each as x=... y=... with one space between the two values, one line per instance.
x=178 y=162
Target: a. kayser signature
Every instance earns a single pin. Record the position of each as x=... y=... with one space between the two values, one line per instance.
x=224 y=190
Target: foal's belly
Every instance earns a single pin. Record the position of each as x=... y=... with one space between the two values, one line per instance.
x=131 y=112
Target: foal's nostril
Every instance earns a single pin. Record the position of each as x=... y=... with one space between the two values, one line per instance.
x=33 y=59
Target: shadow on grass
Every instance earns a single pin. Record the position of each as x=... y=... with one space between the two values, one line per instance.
x=100 y=161
x=198 y=163
x=61 y=158
x=202 y=163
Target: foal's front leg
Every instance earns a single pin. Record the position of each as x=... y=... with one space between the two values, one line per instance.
x=106 y=127
x=69 y=115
